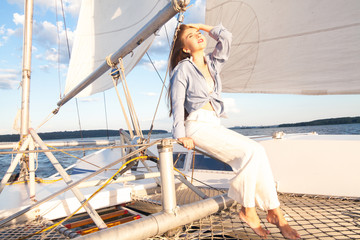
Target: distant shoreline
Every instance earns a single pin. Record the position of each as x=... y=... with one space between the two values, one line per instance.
x=74 y=134
x=327 y=121
x=111 y=133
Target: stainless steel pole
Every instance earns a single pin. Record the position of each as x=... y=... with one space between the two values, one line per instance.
x=162 y=222
x=74 y=184
x=168 y=195
x=26 y=67
x=65 y=143
x=32 y=170
x=89 y=209
x=25 y=83
x=14 y=163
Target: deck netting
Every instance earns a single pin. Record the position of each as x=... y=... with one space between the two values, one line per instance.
x=25 y=230
x=313 y=217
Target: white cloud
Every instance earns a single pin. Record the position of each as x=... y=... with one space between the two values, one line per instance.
x=8 y=83
x=52 y=65
x=196 y=13
x=230 y=105
x=2 y=29
x=9 y=78
x=10 y=31
x=46 y=35
x=159 y=64
x=18 y=19
x=5 y=33
x=45 y=67
x=70 y=6
x=52 y=55
x=8 y=70
x=20 y=3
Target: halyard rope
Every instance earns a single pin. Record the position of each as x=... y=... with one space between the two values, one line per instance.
x=115 y=75
x=129 y=101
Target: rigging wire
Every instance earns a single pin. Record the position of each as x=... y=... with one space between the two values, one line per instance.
x=58 y=38
x=52 y=114
x=65 y=28
x=109 y=181
x=106 y=118
x=167 y=35
x=79 y=121
x=73 y=149
x=134 y=118
x=71 y=155
x=180 y=20
x=69 y=54
x=115 y=75
x=87 y=200
x=152 y=63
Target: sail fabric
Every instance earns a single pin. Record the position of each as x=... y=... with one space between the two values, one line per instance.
x=290 y=47
x=103 y=27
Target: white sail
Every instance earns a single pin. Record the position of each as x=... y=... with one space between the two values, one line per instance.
x=102 y=29
x=296 y=47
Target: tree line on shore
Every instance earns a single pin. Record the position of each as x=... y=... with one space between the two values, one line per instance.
x=74 y=134
x=329 y=121
x=105 y=133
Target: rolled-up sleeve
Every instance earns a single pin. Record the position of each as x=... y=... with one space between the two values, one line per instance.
x=221 y=52
x=178 y=93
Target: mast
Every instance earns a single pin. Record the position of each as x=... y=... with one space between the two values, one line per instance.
x=26 y=73
x=26 y=67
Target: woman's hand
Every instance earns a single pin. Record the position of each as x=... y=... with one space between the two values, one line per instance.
x=200 y=26
x=187 y=142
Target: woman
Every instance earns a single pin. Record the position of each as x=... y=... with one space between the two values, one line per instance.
x=197 y=107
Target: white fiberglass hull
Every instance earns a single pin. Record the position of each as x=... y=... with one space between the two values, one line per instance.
x=301 y=163
x=316 y=164
x=304 y=163
x=16 y=197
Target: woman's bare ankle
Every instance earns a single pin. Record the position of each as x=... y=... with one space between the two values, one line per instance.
x=249 y=214
x=276 y=217
x=250 y=217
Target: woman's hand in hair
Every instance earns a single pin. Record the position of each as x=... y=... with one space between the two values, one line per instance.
x=200 y=26
x=187 y=142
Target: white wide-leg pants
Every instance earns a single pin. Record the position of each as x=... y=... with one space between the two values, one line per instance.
x=254 y=183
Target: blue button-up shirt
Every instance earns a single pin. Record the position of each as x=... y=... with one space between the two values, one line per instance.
x=189 y=89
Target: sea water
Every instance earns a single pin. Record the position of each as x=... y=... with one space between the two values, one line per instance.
x=45 y=168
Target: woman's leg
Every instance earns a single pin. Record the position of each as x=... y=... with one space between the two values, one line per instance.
x=234 y=149
x=241 y=154
x=267 y=199
x=253 y=183
x=266 y=195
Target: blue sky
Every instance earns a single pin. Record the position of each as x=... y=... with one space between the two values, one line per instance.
x=49 y=73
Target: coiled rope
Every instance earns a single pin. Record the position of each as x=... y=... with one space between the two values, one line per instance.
x=179 y=7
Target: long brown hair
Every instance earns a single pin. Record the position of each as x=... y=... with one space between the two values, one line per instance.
x=177 y=54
